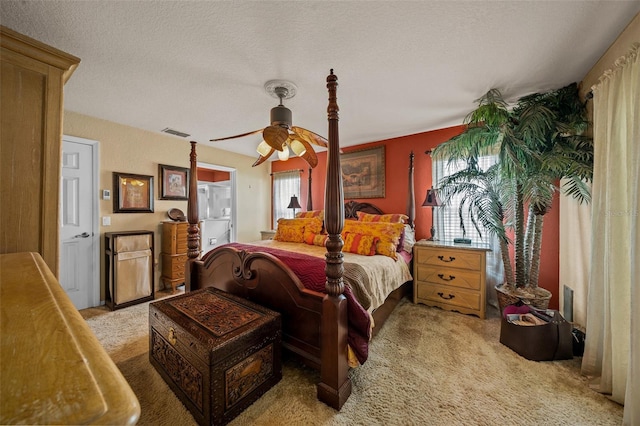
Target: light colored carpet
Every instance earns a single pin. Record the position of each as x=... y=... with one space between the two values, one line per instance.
x=426 y=366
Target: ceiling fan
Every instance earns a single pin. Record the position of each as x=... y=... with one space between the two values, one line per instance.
x=281 y=135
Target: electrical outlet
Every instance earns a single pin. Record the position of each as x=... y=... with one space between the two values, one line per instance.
x=106 y=221
x=106 y=194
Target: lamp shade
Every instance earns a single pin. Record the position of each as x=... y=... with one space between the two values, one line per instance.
x=284 y=154
x=294 y=204
x=432 y=199
x=263 y=148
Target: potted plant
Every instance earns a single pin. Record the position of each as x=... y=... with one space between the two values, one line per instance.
x=538 y=142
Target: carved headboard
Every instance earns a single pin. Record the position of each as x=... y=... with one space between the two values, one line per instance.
x=352 y=207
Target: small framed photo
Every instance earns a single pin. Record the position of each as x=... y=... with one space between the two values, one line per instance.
x=174 y=182
x=132 y=193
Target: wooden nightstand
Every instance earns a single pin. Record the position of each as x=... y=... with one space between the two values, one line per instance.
x=450 y=276
x=268 y=235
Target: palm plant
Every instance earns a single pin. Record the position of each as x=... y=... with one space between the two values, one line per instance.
x=538 y=142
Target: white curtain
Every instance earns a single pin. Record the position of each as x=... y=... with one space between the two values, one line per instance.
x=285 y=185
x=612 y=347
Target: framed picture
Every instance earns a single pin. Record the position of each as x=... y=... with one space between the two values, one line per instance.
x=174 y=182
x=363 y=173
x=132 y=193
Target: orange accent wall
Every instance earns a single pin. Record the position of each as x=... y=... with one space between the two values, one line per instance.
x=397 y=152
x=208 y=175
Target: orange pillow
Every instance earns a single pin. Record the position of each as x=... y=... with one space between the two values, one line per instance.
x=391 y=218
x=311 y=213
x=289 y=232
x=315 y=239
x=388 y=234
x=293 y=230
x=360 y=244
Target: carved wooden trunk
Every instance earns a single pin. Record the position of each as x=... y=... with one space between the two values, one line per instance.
x=219 y=353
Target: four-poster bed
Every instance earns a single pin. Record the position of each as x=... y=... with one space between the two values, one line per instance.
x=315 y=323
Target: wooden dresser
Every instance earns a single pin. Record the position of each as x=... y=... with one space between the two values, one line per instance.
x=450 y=276
x=174 y=253
x=54 y=369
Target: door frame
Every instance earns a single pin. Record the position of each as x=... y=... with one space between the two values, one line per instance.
x=95 y=207
x=234 y=195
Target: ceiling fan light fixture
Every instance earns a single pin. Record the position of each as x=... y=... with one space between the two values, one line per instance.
x=297 y=147
x=263 y=149
x=284 y=154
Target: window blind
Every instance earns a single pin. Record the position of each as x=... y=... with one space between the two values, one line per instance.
x=447 y=218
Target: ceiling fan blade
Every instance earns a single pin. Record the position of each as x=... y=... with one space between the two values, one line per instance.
x=275 y=136
x=263 y=158
x=309 y=155
x=236 y=136
x=310 y=136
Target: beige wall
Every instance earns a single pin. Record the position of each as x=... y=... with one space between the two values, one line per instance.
x=575 y=219
x=130 y=150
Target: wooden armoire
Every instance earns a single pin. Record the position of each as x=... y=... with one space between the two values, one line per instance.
x=32 y=80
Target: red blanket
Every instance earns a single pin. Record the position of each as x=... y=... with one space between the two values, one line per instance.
x=310 y=271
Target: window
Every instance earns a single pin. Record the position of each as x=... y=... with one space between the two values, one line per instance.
x=285 y=185
x=447 y=218
x=447 y=223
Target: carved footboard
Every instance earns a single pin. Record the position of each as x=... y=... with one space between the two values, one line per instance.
x=262 y=278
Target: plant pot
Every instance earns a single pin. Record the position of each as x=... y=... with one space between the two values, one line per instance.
x=538 y=298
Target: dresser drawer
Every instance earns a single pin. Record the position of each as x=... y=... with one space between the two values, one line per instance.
x=460 y=278
x=174 y=237
x=173 y=266
x=438 y=295
x=449 y=258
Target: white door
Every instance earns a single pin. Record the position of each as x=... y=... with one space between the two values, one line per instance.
x=79 y=239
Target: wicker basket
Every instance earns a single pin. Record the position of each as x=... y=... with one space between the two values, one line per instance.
x=505 y=299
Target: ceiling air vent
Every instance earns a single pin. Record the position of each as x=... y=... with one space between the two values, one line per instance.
x=175 y=132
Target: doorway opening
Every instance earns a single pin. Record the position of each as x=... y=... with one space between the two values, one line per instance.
x=217 y=208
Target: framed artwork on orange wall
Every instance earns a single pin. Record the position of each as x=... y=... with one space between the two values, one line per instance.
x=363 y=173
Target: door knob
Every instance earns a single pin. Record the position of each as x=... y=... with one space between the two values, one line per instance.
x=83 y=235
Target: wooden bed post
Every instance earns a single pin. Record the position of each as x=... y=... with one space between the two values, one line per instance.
x=411 y=201
x=309 y=200
x=193 y=232
x=335 y=386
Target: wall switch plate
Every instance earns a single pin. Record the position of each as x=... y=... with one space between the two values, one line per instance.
x=106 y=221
x=106 y=194
x=213 y=241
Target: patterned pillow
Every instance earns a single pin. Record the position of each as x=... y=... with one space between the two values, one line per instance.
x=315 y=239
x=388 y=233
x=360 y=244
x=293 y=230
x=311 y=213
x=287 y=231
x=392 y=218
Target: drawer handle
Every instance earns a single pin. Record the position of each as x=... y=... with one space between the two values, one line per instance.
x=451 y=277
x=451 y=259
x=451 y=296
x=172 y=336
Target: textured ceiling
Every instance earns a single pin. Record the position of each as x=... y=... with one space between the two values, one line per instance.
x=403 y=67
